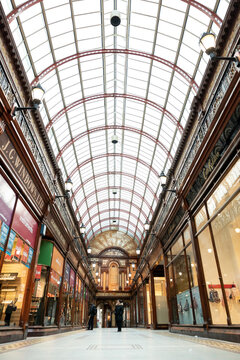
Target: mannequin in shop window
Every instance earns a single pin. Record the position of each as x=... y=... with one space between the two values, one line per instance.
x=8 y=312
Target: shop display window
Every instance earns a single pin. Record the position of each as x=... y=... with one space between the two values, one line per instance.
x=77 y=318
x=161 y=300
x=13 y=277
x=215 y=295
x=201 y=218
x=172 y=295
x=141 y=306
x=137 y=313
x=186 y=236
x=36 y=314
x=65 y=309
x=48 y=280
x=226 y=232
x=52 y=298
x=18 y=243
x=192 y=270
x=184 y=305
x=177 y=247
x=7 y=202
x=225 y=189
x=149 y=305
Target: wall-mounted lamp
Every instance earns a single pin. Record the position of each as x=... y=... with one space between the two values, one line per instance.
x=146 y=226
x=133 y=266
x=82 y=229
x=207 y=43
x=138 y=251
x=94 y=265
x=129 y=275
x=99 y=280
x=97 y=273
x=89 y=250
x=68 y=188
x=163 y=180
x=127 y=282
x=37 y=96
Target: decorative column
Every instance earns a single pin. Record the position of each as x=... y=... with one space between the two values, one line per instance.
x=153 y=301
x=107 y=280
x=200 y=274
x=120 y=280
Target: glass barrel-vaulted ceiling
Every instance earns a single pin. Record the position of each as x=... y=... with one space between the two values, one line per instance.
x=136 y=81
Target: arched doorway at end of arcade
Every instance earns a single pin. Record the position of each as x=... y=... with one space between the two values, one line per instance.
x=106 y=316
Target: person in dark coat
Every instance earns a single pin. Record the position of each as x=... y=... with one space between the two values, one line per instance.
x=8 y=312
x=92 y=313
x=119 y=315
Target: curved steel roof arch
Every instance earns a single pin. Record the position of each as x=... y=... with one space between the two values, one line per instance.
x=113 y=127
x=67 y=59
x=134 y=237
x=113 y=173
x=169 y=115
x=99 y=222
x=116 y=217
x=204 y=9
x=114 y=225
x=116 y=187
x=96 y=157
x=111 y=200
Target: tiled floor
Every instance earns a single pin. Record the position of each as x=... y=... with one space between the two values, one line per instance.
x=130 y=344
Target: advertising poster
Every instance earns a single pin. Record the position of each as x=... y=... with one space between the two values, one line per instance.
x=10 y=242
x=24 y=224
x=184 y=308
x=57 y=261
x=3 y=234
x=197 y=305
x=29 y=259
x=18 y=249
x=24 y=256
x=66 y=285
x=7 y=202
x=38 y=272
x=72 y=281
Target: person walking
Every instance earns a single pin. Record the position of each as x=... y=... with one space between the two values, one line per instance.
x=119 y=315
x=92 y=313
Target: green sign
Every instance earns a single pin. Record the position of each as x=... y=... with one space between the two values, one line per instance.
x=45 y=255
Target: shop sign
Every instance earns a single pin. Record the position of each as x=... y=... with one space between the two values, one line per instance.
x=38 y=272
x=72 y=280
x=24 y=224
x=3 y=235
x=9 y=152
x=10 y=242
x=57 y=261
x=29 y=259
x=8 y=276
x=24 y=256
x=7 y=201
